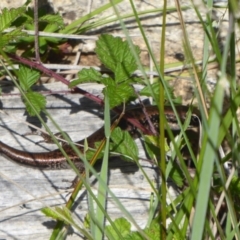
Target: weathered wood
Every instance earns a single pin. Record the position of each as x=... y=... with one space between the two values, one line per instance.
x=24 y=191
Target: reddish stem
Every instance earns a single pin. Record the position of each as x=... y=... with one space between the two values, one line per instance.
x=88 y=95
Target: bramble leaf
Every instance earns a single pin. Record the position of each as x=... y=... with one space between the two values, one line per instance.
x=153 y=232
x=27 y=77
x=87 y=75
x=55 y=19
x=117 y=93
x=8 y=16
x=116 y=55
x=9 y=37
x=37 y=100
x=123 y=227
x=124 y=144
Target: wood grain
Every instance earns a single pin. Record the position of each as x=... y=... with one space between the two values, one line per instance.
x=24 y=191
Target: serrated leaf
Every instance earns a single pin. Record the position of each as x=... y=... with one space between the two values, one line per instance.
x=134 y=236
x=86 y=75
x=9 y=37
x=123 y=227
x=37 y=100
x=117 y=93
x=55 y=22
x=116 y=55
x=8 y=16
x=51 y=19
x=121 y=73
x=154 y=231
x=28 y=39
x=124 y=144
x=27 y=77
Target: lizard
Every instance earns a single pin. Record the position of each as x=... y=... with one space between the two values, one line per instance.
x=56 y=160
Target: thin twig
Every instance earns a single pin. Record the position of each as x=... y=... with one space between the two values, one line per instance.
x=36 y=44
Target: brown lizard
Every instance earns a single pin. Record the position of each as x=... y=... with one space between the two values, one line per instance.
x=55 y=159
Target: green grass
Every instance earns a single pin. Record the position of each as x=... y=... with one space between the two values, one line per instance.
x=193 y=213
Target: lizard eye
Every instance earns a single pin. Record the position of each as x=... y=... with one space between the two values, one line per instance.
x=195 y=119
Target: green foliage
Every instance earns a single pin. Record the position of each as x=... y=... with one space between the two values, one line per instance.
x=87 y=75
x=22 y=18
x=35 y=102
x=124 y=144
x=117 y=56
x=58 y=213
x=117 y=93
x=8 y=38
x=152 y=232
x=65 y=215
x=8 y=16
x=27 y=77
x=154 y=88
x=152 y=149
x=151 y=145
x=87 y=220
x=122 y=225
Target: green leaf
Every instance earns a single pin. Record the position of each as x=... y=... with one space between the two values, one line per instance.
x=9 y=37
x=146 y=91
x=124 y=144
x=87 y=221
x=122 y=225
x=65 y=215
x=117 y=93
x=42 y=45
x=116 y=55
x=154 y=230
x=177 y=175
x=54 y=22
x=91 y=152
x=50 y=212
x=8 y=16
x=62 y=214
x=27 y=77
x=234 y=188
x=134 y=236
x=86 y=75
x=37 y=101
x=151 y=146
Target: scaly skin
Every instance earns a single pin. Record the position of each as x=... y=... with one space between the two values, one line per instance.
x=55 y=159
